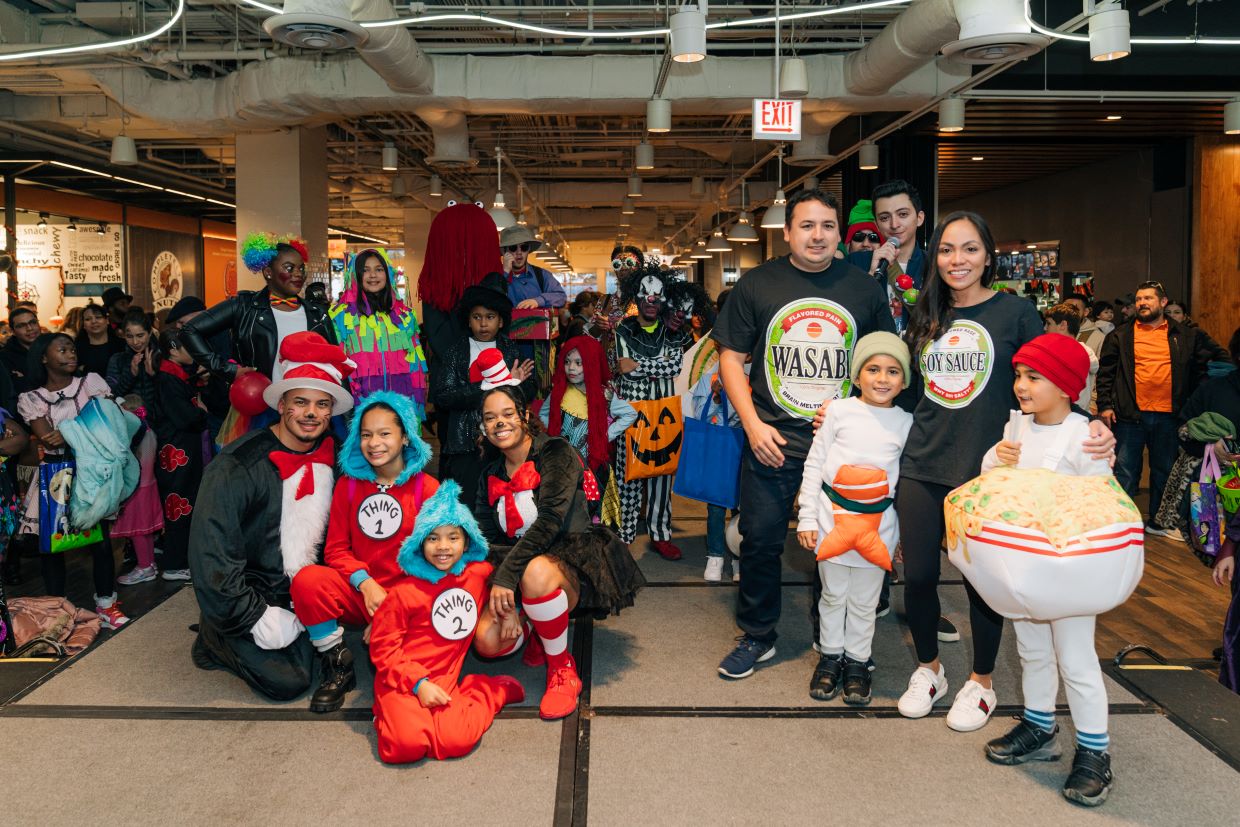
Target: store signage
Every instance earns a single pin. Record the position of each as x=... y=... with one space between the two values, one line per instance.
x=89 y=262
x=166 y=280
x=776 y=120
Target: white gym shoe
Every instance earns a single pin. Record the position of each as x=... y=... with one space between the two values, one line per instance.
x=714 y=570
x=138 y=575
x=924 y=688
x=176 y=574
x=972 y=707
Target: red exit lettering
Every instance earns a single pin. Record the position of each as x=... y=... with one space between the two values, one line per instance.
x=777 y=115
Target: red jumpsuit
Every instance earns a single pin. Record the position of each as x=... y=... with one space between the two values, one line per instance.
x=423 y=630
x=364 y=533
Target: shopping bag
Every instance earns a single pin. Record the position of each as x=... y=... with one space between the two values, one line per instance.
x=652 y=442
x=55 y=485
x=1206 y=513
x=710 y=466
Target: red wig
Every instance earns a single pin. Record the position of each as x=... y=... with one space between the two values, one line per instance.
x=596 y=376
x=461 y=248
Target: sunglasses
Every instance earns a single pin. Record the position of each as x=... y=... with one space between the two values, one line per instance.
x=867 y=236
x=1151 y=285
x=624 y=263
x=524 y=246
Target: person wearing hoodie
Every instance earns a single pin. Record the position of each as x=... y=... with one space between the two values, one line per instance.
x=375 y=503
x=421 y=635
x=379 y=332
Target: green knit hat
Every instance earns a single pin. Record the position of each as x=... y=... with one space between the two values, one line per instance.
x=862 y=212
x=880 y=343
x=1210 y=427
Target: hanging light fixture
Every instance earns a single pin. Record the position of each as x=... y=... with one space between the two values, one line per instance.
x=42 y=219
x=124 y=151
x=699 y=249
x=643 y=156
x=102 y=229
x=436 y=188
x=718 y=244
x=72 y=228
x=697 y=188
x=688 y=35
x=743 y=231
x=951 y=114
x=390 y=160
x=1109 y=31
x=773 y=218
x=1231 y=117
x=626 y=207
x=793 y=79
x=635 y=187
x=867 y=158
x=399 y=187
x=658 y=115
x=810 y=183
x=625 y=221
x=499 y=213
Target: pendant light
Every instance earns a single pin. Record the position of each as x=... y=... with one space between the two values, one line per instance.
x=643 y=156
x=1109 y=31
x=390 y=160
x=951 y=114
x=124 y=151
x=399 y=187
x=72 y=228
x=635 y=187
x=774 y=218
x=699 y=249
x=688 y=35
x=658 y=115
x=1231 y=117
x=697 y=188
x=499 y=213
x=436 y=188
x=626 y=207
x=742 y=231
x=867 y=158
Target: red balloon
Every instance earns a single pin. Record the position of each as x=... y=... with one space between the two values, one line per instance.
x=246 y=394
x=904 y=281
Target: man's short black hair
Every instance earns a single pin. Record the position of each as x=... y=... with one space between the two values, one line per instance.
x=18 y=311
x=897 y=186
x=825 y=198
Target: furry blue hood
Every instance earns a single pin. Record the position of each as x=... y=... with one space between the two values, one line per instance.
x=417 y=453
x=442 y=508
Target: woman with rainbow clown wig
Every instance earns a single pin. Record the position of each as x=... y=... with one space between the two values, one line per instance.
x=379 y=332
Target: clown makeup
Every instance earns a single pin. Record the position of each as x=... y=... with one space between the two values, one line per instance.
x=623 y=263
x=374 y=274
x=286 y=274
x=382 y=440
x=444 y=546
x=650 y=298
x=680 y=313
x=574 y=370
x=304 y=416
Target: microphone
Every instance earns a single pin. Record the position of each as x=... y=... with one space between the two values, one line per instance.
x=881 y=264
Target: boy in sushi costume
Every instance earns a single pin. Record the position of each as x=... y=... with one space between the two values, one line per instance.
x=1051 y=371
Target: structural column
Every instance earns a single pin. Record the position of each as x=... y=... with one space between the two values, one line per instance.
x=282 y=189
x=417 y=228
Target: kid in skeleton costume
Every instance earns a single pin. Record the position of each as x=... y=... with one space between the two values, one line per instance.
x=648 y=357
x=422 y=633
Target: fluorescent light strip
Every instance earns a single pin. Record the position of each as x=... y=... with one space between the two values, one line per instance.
x=186 y=194
x=343 y=231
x=136 y=182
x=1187 y=40
x=102 y=46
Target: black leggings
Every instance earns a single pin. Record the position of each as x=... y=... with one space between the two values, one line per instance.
x=103 y=566
x=919 y=506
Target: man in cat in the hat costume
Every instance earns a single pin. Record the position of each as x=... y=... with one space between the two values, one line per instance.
x=261 y=516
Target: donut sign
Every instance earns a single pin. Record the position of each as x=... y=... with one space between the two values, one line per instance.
x=1041 y=545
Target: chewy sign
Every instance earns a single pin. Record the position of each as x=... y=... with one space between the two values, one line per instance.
x=776 y=120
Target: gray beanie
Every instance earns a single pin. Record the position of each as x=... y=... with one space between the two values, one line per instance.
x=880 y=344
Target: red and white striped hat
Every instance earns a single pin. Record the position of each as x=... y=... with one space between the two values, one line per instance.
x=490 y=370
x=310 y=361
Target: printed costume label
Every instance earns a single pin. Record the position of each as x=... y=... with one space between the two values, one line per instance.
x=380 y=516
x=956 y=366
x=454 y=614
x=808 y=349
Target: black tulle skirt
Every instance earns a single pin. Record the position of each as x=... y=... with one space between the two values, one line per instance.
x=608 y=576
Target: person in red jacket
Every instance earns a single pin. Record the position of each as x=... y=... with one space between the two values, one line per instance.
x=378 y=496
x=420 y=637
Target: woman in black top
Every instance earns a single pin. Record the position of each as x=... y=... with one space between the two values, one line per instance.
x=96 y=343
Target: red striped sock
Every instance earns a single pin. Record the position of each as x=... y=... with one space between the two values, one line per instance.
x=549 y=616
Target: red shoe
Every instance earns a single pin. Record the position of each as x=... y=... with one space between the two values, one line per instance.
x=666 y=549
x=533 y=655
x=514 y=692
x=563 y=690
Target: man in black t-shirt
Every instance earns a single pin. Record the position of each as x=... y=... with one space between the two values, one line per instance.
x=798 y=316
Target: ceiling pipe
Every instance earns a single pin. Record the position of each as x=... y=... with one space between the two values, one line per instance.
x=392 y=52
x=904 y=45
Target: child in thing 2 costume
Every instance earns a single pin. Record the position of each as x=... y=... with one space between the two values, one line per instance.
x=367 y=523
x=420 y=637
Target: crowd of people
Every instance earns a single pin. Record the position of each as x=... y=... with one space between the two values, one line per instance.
x=273 y=453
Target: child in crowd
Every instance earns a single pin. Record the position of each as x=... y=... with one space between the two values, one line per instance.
x=846 y=513
x=377 y=498
x=710 y=387
x=180 y=427
x=1065 y=320
x=421 y=635
x=1225 y=575
x=141 y=517
x=59 y=396
x=1051 y=372
x=467 y=370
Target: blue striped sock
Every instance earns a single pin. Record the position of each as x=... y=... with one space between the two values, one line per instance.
x=318 y=631
x=1098 y=742
x=1044 y=721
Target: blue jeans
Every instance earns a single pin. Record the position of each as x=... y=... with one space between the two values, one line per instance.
x=1156 y=431
x=767 y=497
x=716 y=529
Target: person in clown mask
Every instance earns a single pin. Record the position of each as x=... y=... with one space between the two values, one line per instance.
x=687 y=302
x=625 y=260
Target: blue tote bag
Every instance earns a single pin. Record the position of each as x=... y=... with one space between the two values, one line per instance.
x=710 y=459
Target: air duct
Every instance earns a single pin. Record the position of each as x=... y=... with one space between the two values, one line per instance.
x=316 y=24
x=812 y=149
x=993 y=31
x=451 y=135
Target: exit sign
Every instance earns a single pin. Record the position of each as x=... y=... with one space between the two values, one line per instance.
x=776 y=120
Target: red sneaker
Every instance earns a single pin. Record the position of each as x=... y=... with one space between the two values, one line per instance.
x=514 y=692
x=666 y=549
x=563 y=690
x=533 y=655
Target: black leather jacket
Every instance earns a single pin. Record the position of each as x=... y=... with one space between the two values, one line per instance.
x=247 y=317
x=455 y=395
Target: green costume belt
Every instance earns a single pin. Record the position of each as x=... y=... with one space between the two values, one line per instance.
x=854 y=506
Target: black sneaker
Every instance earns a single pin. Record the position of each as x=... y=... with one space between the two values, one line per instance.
x=947 y=631
x=201 y=656
x=1024 y=742
x=856 y=683
x=825 y=684
x=884 y=609
x=1091 y=780
x=740 y=661
x=338 y=678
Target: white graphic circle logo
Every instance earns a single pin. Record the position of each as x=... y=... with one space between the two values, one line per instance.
x=166 y=280
x=380 y=516
x=454 y=614
x=957 y=365
x=808 y=349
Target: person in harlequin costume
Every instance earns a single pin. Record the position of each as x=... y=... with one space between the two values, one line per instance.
x=420 y=637
x=649 y=354
x=380 y=491
x=688 y=308
x=379 y=332
x=261 y=516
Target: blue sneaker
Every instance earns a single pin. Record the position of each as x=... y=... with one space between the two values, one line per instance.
x=740 y=662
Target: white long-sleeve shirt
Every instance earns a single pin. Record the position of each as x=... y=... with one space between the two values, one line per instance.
x=1053 y=447
x=853 y=433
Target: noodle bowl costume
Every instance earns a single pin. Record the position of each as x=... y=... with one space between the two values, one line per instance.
x=364 y=532
x=261 y=517
x=422 y=632
x=385 y=345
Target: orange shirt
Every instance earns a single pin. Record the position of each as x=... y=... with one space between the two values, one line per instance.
x=1152 y=354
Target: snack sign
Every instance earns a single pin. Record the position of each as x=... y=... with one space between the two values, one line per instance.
x=776 y=120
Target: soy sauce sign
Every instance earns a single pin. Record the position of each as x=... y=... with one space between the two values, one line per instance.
x=776 y=120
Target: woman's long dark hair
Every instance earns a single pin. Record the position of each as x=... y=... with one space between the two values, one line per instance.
x=369 y=304
x=933 y=313
x=36 y=371
x=532 y=423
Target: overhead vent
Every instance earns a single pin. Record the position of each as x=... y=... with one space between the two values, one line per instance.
x=993 y=31
x=320 y=25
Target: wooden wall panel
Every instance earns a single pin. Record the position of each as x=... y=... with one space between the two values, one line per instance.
x=1216 y=235
x=163 y=267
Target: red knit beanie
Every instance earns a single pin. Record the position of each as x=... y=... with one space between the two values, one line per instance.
x=1061 y=359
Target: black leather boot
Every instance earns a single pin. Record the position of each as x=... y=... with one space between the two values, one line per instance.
x=337 y=679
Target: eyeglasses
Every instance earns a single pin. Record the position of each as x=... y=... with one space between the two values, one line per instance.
x=624 y=263
x=524 y=246
x=1152 y=285
x=867 y=236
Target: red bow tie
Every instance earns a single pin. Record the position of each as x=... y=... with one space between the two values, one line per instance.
x=291 y=301
x=287 y=464
x=526 y=479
